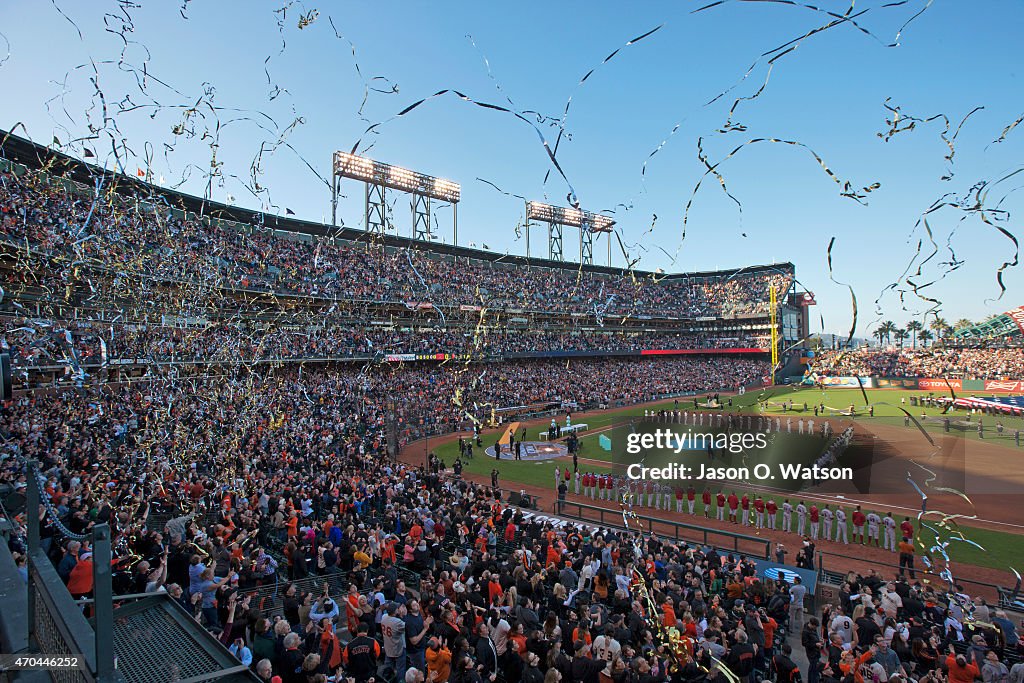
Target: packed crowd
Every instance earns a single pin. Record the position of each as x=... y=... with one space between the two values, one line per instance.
x=264 y=503
x=995 y=363
x=37 y=342
x=129 y=238
x=347 y=565
x=425 y=397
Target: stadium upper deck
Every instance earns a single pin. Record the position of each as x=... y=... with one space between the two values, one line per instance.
x=146 y=236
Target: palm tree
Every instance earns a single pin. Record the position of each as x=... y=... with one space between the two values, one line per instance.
x=962 y=323
x=940 y=326
x=914 y=327
x=901 y=335
x=888 y=327
x=925 y=337
x=879 y=334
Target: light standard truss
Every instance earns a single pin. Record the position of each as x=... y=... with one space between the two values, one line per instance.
x=378 y=178
x=557 y=217
x=421 y=229
x=375 y=213
x=555 y=252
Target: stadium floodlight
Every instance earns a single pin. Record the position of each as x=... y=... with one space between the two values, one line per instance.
x=352 y=166
x=379 y=176
x=558 y=216
x=546 y=213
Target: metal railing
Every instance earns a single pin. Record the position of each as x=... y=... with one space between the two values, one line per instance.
x=511 y=496
x=56 y=624
x=728 y=541
x=1006 y=598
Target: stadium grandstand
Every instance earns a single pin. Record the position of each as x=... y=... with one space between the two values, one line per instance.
x=619 y=445
x=226 y=396
x=950 y=362
x=220 y=291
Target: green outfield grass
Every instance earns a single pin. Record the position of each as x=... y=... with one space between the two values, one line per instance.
x=887 y=411
x=1002 y=550
x=887 y=404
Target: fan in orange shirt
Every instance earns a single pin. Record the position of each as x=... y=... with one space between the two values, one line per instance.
x=517 y=640
x=330 y=649
x=582 y=633
x=553 y=556
x=669 y=619
x=352 y=609
x=387 y=552
x=852 y=664
x=769 y=626
x=494 y=590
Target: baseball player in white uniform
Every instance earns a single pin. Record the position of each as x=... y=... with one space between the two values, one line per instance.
x=873 y=522
x=801 y=518
x=787 y=516
x=889 y=532
x=841 y=525
x=826 y=522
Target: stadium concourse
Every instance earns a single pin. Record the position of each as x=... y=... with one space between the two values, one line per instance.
x=214 y=392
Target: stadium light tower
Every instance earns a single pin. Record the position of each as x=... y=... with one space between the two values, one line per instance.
x=556 y=217
x=378 y=177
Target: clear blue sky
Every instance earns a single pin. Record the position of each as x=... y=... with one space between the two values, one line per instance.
x=827 y=94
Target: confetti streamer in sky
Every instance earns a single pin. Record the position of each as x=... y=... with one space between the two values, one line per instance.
x=896 y=125
x=200 y=118
x=585 y=77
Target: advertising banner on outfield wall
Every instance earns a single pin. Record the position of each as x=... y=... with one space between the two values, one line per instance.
x=1017 y=316
x=865 y=382
x=677 y=352
x=939 y=384
x=995 y=386
x=1005 y=386
x=896 y=382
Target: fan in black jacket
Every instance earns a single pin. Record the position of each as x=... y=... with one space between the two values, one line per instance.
x=786 y=671
x=811 y=640
x=465 y=672
x=585 y=670
x=742 y=656
x=486 y=654
x=531 y=673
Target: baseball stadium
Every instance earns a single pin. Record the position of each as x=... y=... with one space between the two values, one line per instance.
x=243 y=444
